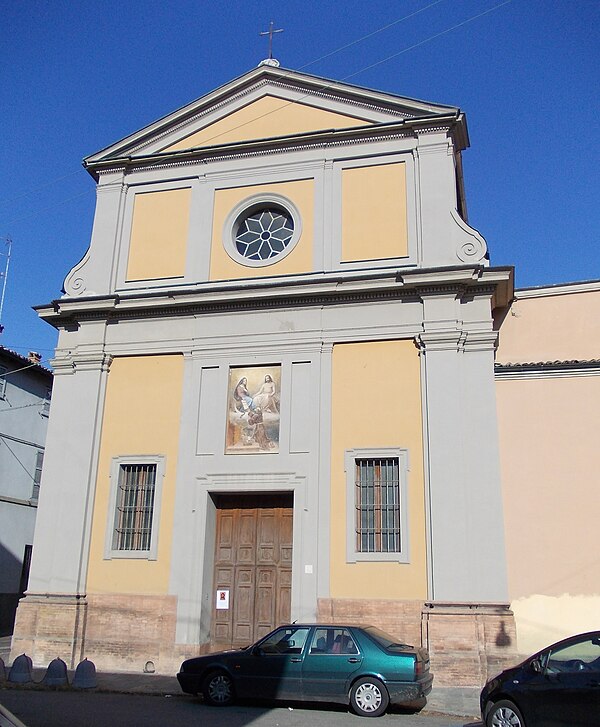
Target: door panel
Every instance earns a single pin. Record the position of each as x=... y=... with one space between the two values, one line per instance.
x=275 y=669
x=329 y=664
x=253 y=559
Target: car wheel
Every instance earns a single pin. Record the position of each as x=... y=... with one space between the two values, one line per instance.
x=504 y=714
x=369 y=697
x=217 y=689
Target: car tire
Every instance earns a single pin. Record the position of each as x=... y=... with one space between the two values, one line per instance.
x=369 y=697
x=217 y=689
x=504 y=714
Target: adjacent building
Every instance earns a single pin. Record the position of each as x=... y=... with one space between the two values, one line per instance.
x=25 y=391
x=548 y=393
x=275 y=394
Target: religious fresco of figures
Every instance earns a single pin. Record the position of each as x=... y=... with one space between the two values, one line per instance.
x=253 y=410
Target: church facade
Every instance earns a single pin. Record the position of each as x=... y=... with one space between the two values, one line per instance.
x=274 y=393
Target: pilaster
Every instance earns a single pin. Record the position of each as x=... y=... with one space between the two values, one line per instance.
x=61 y=543
x=465 y=528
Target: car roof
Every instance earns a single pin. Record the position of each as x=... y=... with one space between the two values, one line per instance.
x=340 y=625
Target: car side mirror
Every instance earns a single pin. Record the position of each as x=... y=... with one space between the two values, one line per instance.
x=536 y=666
x=257 y=651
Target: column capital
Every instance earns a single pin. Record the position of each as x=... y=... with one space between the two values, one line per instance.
x=92 y=361
x=481 y=341
x=440 y=340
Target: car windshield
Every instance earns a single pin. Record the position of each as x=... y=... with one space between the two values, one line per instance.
x=386 y=640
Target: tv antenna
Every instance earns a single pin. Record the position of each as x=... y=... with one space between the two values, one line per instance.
x=4 y=272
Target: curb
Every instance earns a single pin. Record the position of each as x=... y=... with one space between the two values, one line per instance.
x=8 y=719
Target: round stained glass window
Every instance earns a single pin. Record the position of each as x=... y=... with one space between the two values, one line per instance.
x=264 y=233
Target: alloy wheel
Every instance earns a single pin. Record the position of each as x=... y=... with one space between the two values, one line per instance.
x=219 y=689
x=506 y=717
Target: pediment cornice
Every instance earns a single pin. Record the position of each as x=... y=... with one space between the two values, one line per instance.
x=366 y=104
x=407 y=128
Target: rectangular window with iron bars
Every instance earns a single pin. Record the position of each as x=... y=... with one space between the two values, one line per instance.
x=377 y=503
x=136 y=484
x=135 y=507
x=377 y=521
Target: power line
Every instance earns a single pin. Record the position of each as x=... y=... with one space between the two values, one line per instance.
x=39 y=403
x=18 y=460
x=23 y=368
x=431 y=37
x=45 y=209
x=361 y=70
x=289 y=103
x=370 y=35
x=9 y=200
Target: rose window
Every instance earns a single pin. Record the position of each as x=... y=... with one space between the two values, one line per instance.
x=264 y=233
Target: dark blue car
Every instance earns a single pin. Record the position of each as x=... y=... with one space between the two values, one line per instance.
x=557 y=687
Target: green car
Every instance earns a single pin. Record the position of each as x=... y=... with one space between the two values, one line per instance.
x=357 y=665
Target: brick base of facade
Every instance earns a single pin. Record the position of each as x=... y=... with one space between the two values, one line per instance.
x=118 y=632
x=48 y=626
x=467 y=642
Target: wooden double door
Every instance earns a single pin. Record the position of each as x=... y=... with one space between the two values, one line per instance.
x=253 y=567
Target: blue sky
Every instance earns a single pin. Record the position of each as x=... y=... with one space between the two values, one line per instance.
x=77 y=76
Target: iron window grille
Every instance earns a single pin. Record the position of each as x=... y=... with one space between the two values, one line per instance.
x=135 y=507
x=378 y=505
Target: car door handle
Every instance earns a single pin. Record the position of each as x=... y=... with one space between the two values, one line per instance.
x=353 y=660
x=295 y=659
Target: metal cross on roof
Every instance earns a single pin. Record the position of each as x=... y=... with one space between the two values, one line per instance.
x=271 y=32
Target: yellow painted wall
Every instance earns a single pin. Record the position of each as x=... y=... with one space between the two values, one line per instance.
x=142 y=415
x=159 y=234
x=268 y=116
x=374 y=212
x=542 y=620
x=300 y=260
x=376 y=402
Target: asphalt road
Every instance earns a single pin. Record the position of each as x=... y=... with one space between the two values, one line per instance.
x=85 y=709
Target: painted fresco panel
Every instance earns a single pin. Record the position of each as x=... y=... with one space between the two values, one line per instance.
x=253 y=410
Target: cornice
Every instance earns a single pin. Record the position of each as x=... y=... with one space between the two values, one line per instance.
x=585 y=286
x=321 y=290
x=256 y=147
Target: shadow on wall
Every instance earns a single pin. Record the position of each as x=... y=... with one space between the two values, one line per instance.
x=502 y=637
x=11 y=568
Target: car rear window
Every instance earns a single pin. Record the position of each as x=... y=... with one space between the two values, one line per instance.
x=387 y=641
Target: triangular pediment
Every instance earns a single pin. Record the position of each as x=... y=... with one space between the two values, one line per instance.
x=268 y=103
x=267 y=117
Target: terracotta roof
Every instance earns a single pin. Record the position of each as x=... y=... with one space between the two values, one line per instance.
x=571 y=364
x=24 y=360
